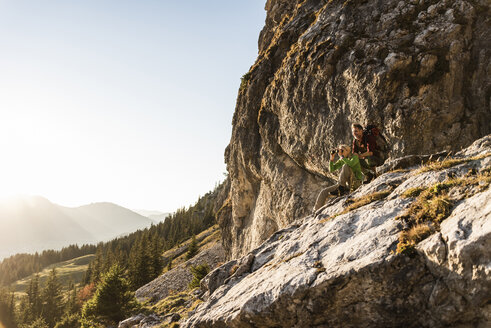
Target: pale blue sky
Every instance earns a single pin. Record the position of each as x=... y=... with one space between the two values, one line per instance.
x=129 y=102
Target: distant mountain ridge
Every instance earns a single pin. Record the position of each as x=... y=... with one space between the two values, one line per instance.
x=31 y=224
x=156 y=216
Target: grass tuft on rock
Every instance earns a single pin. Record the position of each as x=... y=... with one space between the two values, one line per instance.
x=412 y=192
x=359 y=202
x=445 y=164
x=365 y=200
x=180 y=303
x=409 y=239
x=434 y=204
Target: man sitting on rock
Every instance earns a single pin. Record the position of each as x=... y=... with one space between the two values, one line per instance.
x=365 y=146
x=350 y=176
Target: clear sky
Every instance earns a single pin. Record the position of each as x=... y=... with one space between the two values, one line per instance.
x=129 y=102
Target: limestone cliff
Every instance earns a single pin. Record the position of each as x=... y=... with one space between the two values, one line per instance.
x=410 y=249
x=418 y=68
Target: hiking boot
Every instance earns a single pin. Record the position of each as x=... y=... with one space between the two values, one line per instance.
x=340 y=191
x=343 y=190
x=334 y=192
x=369 y=176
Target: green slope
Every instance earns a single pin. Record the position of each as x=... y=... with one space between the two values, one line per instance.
x=71 y=270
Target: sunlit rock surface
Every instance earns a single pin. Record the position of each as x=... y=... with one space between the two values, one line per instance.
x=420 y=69
x=341 y=270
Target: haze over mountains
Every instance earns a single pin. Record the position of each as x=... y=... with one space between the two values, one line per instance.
x=156 y=216
x=31 y=224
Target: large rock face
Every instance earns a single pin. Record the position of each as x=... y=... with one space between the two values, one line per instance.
x=340 y=269
x=418 y=68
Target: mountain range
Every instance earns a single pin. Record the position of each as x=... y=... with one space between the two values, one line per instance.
x=31 y=224
x=156 y=216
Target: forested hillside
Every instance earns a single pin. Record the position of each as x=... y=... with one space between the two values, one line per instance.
x=119 y=267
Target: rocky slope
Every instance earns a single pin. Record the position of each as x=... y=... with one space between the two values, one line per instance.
x=418 y=68
x=410 y=249
x=168 y=297
x=177 y=279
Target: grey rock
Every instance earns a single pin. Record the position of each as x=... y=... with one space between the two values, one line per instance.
x=460 y=260
x=178 y=278
x=418 y=69
x=143 y=321
x=410 y=161
x=131 y=322
x=340 y=270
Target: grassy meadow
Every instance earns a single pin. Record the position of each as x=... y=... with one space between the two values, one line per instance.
x=69 y=271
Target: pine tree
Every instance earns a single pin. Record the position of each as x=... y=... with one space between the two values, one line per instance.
x=31 y=307
x=72 y=305
x=199 y=272
x=69 y=321
x=97 y=264
x=24 y=314
x=39 y=323
x=112 y=300
x=140 y=269
x=7 y=308
x=156 y=257
x=34 y=296
x=88 y=275
x=192 y=248
x=52 y=300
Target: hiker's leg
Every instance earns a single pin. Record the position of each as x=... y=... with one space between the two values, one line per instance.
x=345 y=176
x=364 y=163
x=373 y=162
x=323 y=195
x=355 y=183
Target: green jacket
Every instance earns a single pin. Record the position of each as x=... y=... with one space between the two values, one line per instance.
x=352 y=162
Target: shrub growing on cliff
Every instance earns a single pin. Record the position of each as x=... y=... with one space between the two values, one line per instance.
x=199 y=272
x=244 y=80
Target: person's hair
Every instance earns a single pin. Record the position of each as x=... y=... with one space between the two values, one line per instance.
x=356 y=125
x=345 y=147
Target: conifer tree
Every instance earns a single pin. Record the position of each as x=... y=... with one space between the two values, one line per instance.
x=156 y=257
x=38 y=323
x=72 y=305
x=7 y=308
x=24 y=314
x=69 y=321
x=31 y=307
x=192 y=248
x=140 y=269
x=52 y=300
x=97 y=264
x=199 y=272
x=169 y=265
x=88 y=275
x=111 y=302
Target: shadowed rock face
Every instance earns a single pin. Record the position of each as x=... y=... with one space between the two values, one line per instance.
x=340 y=269
x=418 y=68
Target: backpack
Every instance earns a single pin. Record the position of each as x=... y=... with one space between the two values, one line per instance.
x=381 y=141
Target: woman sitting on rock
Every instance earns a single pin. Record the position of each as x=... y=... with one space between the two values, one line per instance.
x=350 y=176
